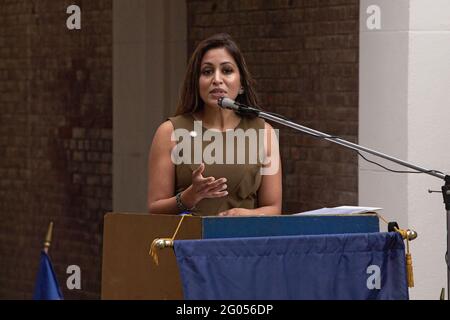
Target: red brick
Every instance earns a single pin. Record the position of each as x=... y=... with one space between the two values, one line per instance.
x=46 y=165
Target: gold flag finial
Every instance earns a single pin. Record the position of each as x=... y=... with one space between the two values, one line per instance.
x=161 y=243
x=48 y=237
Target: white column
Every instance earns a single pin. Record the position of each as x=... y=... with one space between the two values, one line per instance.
x=149 y=58
x=428 y=131
x=403 y=111
x=383 y=99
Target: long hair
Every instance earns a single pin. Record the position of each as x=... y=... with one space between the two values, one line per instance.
x=190 y=100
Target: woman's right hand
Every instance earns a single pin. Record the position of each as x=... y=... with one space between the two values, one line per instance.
x=203 y=188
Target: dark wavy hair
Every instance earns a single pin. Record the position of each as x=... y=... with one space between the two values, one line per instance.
x=190 y=100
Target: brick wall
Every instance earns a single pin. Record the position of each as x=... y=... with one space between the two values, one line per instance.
x=304 y=56
x=55 y=141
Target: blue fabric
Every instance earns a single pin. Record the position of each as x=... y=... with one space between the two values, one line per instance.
x=46 y=287
x=294 y=267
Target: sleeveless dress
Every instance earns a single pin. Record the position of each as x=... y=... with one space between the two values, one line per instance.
x=241 y=168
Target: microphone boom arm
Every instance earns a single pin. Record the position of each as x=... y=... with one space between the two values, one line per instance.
x=345 y=143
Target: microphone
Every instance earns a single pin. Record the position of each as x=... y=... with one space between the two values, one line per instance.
x=227 y=103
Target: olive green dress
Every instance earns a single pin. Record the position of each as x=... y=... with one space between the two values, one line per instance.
x=243 y=177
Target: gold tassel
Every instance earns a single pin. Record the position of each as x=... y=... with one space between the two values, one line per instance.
x=408 y=235
x=409 y=266
x=153 y=253
x=409 y=270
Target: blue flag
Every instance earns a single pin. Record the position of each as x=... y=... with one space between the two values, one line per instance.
x=46 y=287
x=331 y=267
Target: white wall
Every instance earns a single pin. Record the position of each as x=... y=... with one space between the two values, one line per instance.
x=428 y=118
x=149 y=58
x=404 y=112
x=383 y=96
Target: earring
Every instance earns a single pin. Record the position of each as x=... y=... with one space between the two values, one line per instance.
x=241 y=90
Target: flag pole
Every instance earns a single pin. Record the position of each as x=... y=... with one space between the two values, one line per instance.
x=48 y=237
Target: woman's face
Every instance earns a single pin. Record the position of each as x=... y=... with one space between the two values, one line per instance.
x=219 y=76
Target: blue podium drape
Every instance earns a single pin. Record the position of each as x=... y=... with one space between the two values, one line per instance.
x=46 y=287
x=343 y=266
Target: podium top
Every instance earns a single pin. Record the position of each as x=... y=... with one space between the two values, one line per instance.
x=285 y=225
x=209 y=227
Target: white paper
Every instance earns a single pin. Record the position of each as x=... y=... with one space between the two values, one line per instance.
x=342 y=210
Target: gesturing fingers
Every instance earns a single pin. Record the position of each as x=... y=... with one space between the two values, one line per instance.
x=208 y=187
x=217 y=185
x=202 y=184
x=218 y=194
x=235 y=212
x=216 y=188
x=199 y=171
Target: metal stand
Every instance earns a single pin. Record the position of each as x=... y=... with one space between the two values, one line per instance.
x=446 y=195
x=350 y=145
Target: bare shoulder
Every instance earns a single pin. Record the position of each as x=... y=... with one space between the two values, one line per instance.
x=163 y=134
x=267 y=126
x=165 y=128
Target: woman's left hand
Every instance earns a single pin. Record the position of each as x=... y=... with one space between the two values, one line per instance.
x=236 y=212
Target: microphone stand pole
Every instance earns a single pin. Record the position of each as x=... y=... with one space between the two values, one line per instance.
x=445 y=188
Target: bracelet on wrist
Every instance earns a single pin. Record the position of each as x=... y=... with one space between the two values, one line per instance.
x=181 y=205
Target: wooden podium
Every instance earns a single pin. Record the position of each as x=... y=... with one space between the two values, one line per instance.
x=128 y=271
